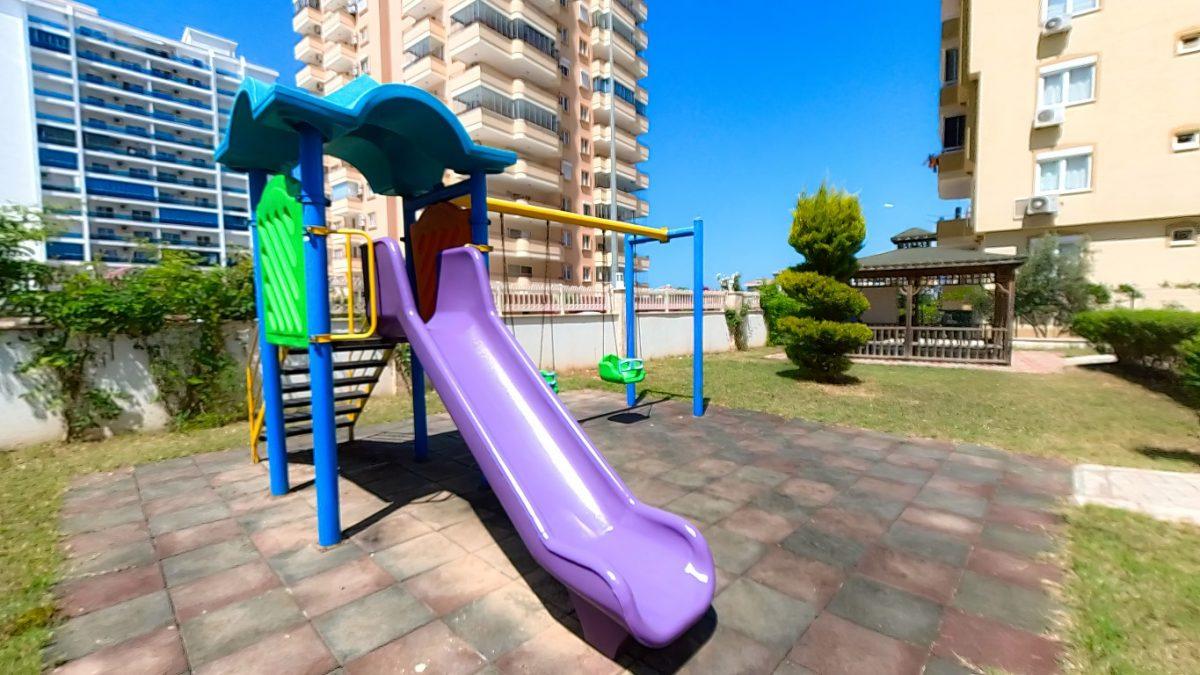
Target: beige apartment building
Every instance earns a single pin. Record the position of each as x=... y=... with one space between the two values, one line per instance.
x=1081 y=118
x=556 y=81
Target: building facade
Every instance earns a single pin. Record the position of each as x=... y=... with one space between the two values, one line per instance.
x=113 y=129
x=1079 y=118
x=556 y=81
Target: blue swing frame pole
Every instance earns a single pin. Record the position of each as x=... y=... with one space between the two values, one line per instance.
x=272 y=390
x=630 y=316
x=320 y=349
x=417 y=372
x=698 y=318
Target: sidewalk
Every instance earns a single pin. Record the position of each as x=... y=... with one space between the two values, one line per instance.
x=1167 y=495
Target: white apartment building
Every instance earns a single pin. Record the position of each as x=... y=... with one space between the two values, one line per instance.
x=113 y=129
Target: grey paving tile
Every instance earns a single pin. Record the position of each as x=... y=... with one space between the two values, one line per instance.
x=224 y=631
x=887 y=610
x=501 y=620
x=731 y=551
x=963 y=505
x=763 y=614
x=206 y=560
x=297 y=564
x=928 y=543
x=756 y=474
x=1014 y=605
x=106 y=627
x=168 y=488
x=702 y=508
x=880 y=507
x=1014 y=540
x=119 y=557
x=810 y=542
x=423 y=553
x=183 y=518
x=900 y=474
x=359 y=627
x=94 y=522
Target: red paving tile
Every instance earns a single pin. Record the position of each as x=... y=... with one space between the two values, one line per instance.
x=950 y=523
x=802 y=578
x=912 y=462
x=1023 y=518
x=297 y=651
x=834 y=645
x=910 y=573
x=886 y=488
x=100 y=503
x=1011 y=568
x=758 y=524
x=807 y=492
x=157 y=653
x=286 y=537
x=990 y=644
x=181 y=541
x=429 y=649
x=93 y=593
x=962 y=487
x=854 y=524
x=94 y=542
x=156 y=507
x=446 y=588
x=223 y=588
x=339 y=586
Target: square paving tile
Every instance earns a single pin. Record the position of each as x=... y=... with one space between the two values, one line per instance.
x=928 y=544
x=984 y=643
x=811 y=542
x=371 y=622
x=760 y=525
x=501 y=620
x=206 y=560
x=446 y=588
x=911 y=573
x=1014 y=605
x=159 y=651
x=226 y=630
x=110 y=626
x=92 y=593
x=1013 y=569
x=432 y=648
x=215 y=591
x=110 y=560
x=802 y=578
x=553 y=651
x=887 y=610
x=418 y=555
x=300 y=563
x=764 y=614
x=732 y=551
x=331 y=589
x=702 y=508
x=298 y=650
x=835 y=645
x=182 y=541
x=191 y=516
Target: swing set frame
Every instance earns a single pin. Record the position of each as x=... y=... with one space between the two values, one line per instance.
x=636 y=235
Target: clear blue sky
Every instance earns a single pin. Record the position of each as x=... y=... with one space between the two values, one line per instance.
x=747 y=109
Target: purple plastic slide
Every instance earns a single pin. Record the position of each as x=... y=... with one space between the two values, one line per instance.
x=631 y=569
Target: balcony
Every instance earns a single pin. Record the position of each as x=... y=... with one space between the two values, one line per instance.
x=641 y=263
x=955 y=172
x=309 y=50
x=629 y=179
x=533 y=246
x=624 y=53
x=312 y=77
x=526 y=177
x=627 y=115
x=478 y=43
x=493 y=119
x=339 y=26
x=426 y=73
x=419 y=9
x=339 y=57
x=307 y=21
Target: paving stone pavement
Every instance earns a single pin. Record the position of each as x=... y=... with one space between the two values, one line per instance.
x=1166 y=495
x=838 y=551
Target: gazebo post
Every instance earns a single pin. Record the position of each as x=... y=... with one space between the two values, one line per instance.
x=908 y=322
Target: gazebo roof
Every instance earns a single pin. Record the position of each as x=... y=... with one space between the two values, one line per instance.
x=914 y=234
x=936 y=258
x=399 y=137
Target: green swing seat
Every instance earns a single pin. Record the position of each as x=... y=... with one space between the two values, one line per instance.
x=622 y=371
x=551 y=379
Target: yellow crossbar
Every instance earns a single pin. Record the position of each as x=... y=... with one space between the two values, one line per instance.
x=557 y=216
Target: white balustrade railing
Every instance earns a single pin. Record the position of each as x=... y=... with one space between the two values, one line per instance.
x=537 y=298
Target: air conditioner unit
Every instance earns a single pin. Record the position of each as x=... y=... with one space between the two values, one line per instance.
x=1056 y=24
x=1042 y=205
x=1051 y=116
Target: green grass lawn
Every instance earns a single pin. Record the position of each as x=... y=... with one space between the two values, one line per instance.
x=34 y=480
x=1133 y=594
x=1081 y=415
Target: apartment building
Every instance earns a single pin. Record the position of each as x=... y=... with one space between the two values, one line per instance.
x=556 y=81
x=113 y=129
x=1079 y=118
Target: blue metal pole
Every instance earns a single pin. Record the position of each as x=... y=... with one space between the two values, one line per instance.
x=479 y=213
x=698 y=318
x=630 y=317
x=272 y=392
x=320 y=349
x=416 y=372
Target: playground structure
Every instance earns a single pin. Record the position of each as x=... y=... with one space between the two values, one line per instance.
x=630 y=569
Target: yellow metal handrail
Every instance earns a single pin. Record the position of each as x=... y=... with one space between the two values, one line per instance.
x=568 y=218
x=372 y=305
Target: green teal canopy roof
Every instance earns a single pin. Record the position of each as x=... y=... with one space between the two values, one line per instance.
x=399 y=137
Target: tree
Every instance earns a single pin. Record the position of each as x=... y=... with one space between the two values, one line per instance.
x=1053 y=286
x=1131 y=292
x=20 y=229
x=819 y=309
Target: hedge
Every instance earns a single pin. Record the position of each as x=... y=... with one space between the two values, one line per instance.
x=1150 y=337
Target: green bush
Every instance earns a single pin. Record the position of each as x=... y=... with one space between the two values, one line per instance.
x=775 y=305
x=1189 y=363
x=1149 y=337
x=821 y=347
x=822 y=297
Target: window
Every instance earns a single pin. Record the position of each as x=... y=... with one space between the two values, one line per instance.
x=568 y=239
x=1069 y=7
x=586 y=243
x=568 y=169
x=585 y=178
x=1183 y=236
x=564 y=103
x=587 y=273
x=584 y=113
x=585 y=80
x=364 y=66
x=954 y=132
x=520 y=271
x=567 y=205
x=1070 y=83
x=585 y=146
x=950 y=66
x=583 y=47
x=1064 y=172
x=567 y=272
x=1189 y=43
x=587 y=209
x=514 y=233
x=1071 y=244
x=1183 y=141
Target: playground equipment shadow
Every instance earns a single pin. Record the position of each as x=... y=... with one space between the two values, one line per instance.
x=837 y=551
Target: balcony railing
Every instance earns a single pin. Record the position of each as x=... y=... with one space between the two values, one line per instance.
x=516 y=29
x=538 y=298
x=482 y=97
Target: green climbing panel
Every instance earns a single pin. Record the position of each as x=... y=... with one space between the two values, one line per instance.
x=281 y=254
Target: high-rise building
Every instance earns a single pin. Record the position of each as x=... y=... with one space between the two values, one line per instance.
x=556 y=81
x=1079 y=118
x=113 y=128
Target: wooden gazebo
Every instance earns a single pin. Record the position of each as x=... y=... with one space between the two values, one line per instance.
x=918 y=264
